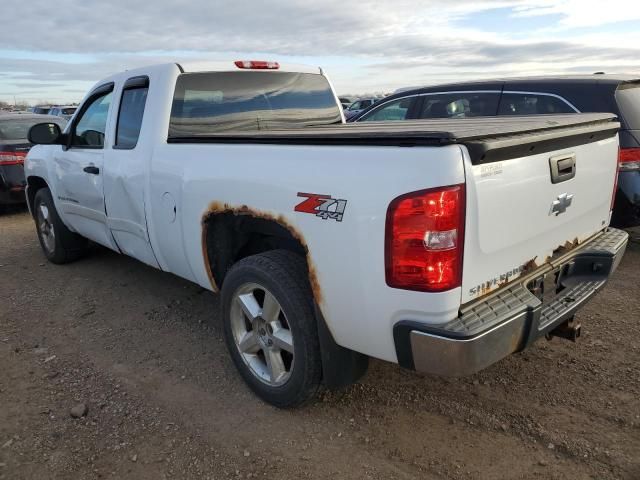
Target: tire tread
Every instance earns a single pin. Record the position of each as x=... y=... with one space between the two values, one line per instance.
x=290 y=272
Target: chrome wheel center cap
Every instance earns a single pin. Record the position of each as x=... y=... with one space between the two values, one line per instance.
x=263 y=333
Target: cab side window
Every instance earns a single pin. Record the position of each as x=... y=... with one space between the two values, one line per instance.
x=532 y=104
x=132 y=103
x=91 y=125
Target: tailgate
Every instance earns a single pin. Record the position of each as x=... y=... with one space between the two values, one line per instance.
x=523 y=207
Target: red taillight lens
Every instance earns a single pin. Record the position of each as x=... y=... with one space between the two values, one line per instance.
x=425 y=238
x=257 y=65
x=629 y=159
x=12 y=158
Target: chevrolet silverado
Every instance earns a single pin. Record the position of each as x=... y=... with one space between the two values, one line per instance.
x=442 y=245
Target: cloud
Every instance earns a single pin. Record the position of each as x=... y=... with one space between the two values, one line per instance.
x=581 y=13
x=408 y=41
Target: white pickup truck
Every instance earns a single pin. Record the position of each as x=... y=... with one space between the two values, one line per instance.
x=441 y=245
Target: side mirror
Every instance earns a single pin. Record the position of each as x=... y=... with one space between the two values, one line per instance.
x=45 y=134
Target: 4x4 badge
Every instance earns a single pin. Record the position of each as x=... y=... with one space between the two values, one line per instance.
x=561 y=204
x=323 y=206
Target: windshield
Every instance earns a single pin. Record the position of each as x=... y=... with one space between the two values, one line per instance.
x=17 y=129
x=208 y=103
x=628 y=98
x=68 y=111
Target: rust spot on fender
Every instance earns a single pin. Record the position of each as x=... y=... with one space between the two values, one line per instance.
x=205 y=255
x=217 y=207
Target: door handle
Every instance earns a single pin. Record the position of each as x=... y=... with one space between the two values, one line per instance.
x=563 y=167
x=92 y=170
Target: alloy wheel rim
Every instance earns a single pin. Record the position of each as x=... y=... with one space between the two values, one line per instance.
x=45 y=228
x=262 y=334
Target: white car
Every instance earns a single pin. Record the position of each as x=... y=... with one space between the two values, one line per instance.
x=441 y=245
x=65 y=112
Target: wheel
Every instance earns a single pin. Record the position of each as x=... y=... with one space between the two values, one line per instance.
x=270 y=328
x=59 y=244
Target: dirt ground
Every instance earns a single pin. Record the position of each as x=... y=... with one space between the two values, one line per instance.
x=143 y=351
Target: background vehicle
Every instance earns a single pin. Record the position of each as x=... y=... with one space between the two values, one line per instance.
x=41 y=109
x=345 y=101
x=619 y=94
x=329 y=242
x=62 y=111
x=357 y=106
x=14 y=146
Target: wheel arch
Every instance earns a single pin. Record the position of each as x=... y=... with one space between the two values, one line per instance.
x=34 y=183
x=232 y=233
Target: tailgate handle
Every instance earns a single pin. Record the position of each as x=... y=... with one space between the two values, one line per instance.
x=563 y=167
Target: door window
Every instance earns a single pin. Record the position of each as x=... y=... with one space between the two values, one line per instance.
x=532 y=104
x=90 y=127
x=130 y=117
x=395 y=110
x=460 y=105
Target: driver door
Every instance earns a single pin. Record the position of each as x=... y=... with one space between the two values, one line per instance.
x=79 y=167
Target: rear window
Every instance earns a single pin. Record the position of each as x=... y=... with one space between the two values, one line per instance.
x=17 y=129
x=208 y=103
x=628 y=98
x=68 y=111
x=532 y=104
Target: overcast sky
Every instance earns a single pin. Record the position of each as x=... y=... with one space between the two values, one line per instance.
x=57 y=50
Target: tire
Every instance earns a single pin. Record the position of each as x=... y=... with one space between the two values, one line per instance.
x=59 y=244
x=259 y=333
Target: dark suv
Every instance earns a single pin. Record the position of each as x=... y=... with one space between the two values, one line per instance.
x=619 y=94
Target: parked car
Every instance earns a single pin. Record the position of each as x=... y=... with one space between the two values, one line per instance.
x=619 y=94
x=65 y=112
x=445 y=257
x=357 y=106
x=345 y=102
x=40 y=109
x=14 y=146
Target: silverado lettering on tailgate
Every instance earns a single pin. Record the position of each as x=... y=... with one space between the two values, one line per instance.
x=502 y=279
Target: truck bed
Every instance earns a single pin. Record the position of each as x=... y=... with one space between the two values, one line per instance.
x=487 y=138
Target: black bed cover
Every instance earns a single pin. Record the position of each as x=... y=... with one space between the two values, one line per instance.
x=487 y=138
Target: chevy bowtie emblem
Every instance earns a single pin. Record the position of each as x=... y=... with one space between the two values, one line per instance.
x=561 y=204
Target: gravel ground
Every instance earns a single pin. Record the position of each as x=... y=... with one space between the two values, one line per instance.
x=111 y=369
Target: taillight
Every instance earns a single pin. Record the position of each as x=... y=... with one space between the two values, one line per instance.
x=629 y=159
x=12 y=158
x=257 y=65
x=425 y=238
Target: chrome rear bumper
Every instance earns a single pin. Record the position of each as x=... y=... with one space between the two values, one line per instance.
x=511 y=318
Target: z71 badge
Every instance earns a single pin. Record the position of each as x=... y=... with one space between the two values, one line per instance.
x=322 y=206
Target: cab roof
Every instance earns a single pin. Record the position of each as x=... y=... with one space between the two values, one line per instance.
x=230 y=66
